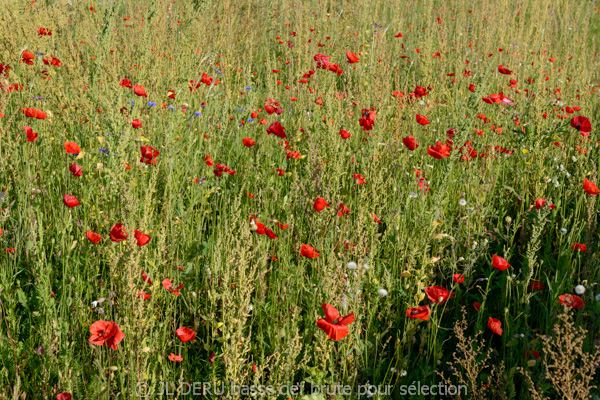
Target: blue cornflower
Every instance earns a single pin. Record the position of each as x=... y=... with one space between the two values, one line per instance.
x=197 y=113
x=171 y=107
x=248 y=88
x=39 y=53
x=151 y=104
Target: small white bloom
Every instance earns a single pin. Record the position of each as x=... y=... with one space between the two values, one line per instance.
x=574 y=159
x=351 y=265
x=382 y=292
x=580 y=289
x=94 y=304
x=462 y=202
x=598 y=297
x=366 y=266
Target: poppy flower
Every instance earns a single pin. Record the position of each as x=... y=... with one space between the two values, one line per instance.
x=55 y=62
x=472 y=87
x=539 y=203
x=143 y=295
x=72 y=148
x=419 y=92
x=333 y=325
x=421 y=120
x=582 y=124
x=499 y=263
x=169 y=286
x=438 y=294
x=531 y=353
x=368 y=119
x=208 y=161
x=536 y=285
x=139 y=90
x=118 y=233
x=106 y=333
x=31 y=135
x=308 y=251
x=142 y=239
x=579 y=247
x=458 y=278
x=281 y=226
x=503 y=70
x=376 y=218
x=126 y=83
x=476 y=306
x=93 y=237
x=70 y=201
x=590 y=187
x=421 y=312
x=410 y=142
x=320 y=204
x=145 y=278
x=343 y=210
x=185 y=334
x=439 y=151
x=344 y=134
x=64 y=395
x=495 y=326
x=136 y=124
x=352 y=58
x=75 y=170
x=175 y=358
x=359 y=179
x=276 y=129
x=27 y=57
x=149 y=155
x=248 y=142
x=571 y=300
x=34 y=113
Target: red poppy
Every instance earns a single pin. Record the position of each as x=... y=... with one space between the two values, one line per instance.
x=64 y=395
x=75 y=170
x=422 y=120
x=476 y=306
x=439 y=151
x=495 y=326
x=140 y=90
x=31 y=135
x=308 y=251
x=185 y=334
x=421 y=312
x=27 y=57
x=248 y=142
x=472 y=87
x=531 y=353
x=410 y=142
x=582 y=124
x=352 y=58
x=118 y=233
x=143 y=295
x=136 y=124
x=142 y=239
x=208 y=161
x=438 y=294
x=503 y=70
x=281 y=226
x=175 y=358
x=571 y=300
x=52 y=61
x=126 y=83
x=458 y=278
x=70 y=201
x=93 y=237
x=359 y=179
x=34 y=113
x=499 y=263
x=72 y=148
x=320 y=204
x=149 y=155
x=376 y=218
x=333 y=325
x=419 y=92
x=169 y=286
x=579 y=247
x=106 y=333
x=343 y=210
x=368 y=119
x=590 y=187
x=537 y=285
x=539 y=203
x=344 y=134
x=145 y=278
x=277 y=129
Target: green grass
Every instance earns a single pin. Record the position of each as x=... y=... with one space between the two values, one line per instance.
x=253 y=300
